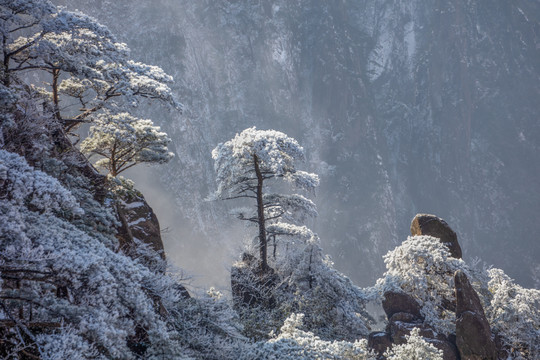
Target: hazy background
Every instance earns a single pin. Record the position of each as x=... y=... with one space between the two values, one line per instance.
x=402 y=107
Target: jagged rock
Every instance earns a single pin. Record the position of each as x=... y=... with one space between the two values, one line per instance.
x=399 y=330
x=425 y=224
x=379 y=341
x=399 y=302
x=403 y=317
x=138 y=222
x=473 y=334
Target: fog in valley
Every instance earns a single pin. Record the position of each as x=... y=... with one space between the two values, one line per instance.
x=402 y=107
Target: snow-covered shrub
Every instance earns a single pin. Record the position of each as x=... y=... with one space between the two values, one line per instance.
x=514 y=313
x=334 y=307
x=207 y=327
x=27 y=127
x=65 y=344
x=416 y=348
x=295 y=344
x=305 y=281
x=102 y=292
x=423 y=268
x=8 y=99
x=21 y=185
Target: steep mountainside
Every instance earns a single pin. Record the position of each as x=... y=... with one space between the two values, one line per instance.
x=403 y=107
x=82 y=271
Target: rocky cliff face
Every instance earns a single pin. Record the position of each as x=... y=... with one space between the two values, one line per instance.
x=402 y=107
x=138 y=222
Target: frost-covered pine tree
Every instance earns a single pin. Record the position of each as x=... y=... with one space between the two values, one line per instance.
x=302 y=279
x=123 y=141
x=82 y=57
x=246 y=165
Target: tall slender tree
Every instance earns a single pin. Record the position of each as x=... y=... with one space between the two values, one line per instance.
x=246 y=165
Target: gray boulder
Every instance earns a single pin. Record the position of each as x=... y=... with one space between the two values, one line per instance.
x=425 y=224
x=399 y=302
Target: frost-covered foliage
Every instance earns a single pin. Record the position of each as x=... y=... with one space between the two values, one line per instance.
x=514 y=313
x=275 y=152
x=21 y=185
x=293 y=343
x=19 y=14
x=86 y=64
x=53 y=273
x=334 y=307
x=26 y=128
x=67 y=41
x=302 y=280
x=208 y=328
x=123 y=141
x=66 y=344
x=416 y=348
x=246 y=164
x=8 y=99
x=423 y=268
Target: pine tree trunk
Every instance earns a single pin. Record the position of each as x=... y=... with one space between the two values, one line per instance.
x=260 y=216
x=56 y=75
x=5 y=70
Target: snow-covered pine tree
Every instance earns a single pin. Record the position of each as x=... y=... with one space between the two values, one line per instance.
x=123 y=141
x=300 y=279
x=246 y=165
x=84 y=60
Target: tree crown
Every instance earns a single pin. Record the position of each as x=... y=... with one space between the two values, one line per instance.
x=275 y=152
x=124 y=141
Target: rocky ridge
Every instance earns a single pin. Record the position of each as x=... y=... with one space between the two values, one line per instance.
x=472 y=340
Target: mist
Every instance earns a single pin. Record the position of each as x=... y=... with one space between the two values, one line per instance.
x=401 y=108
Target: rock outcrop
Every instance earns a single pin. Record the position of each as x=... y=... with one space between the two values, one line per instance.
x=404 y=312
x=379 y=341
x=399 y=302
x=138 y=221
x=473 y=334
x=139 y=224
x=425 y=224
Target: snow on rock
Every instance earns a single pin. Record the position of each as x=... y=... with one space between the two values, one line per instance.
x=138 y=220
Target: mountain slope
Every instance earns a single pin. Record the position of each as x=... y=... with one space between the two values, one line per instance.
x=403 y=108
